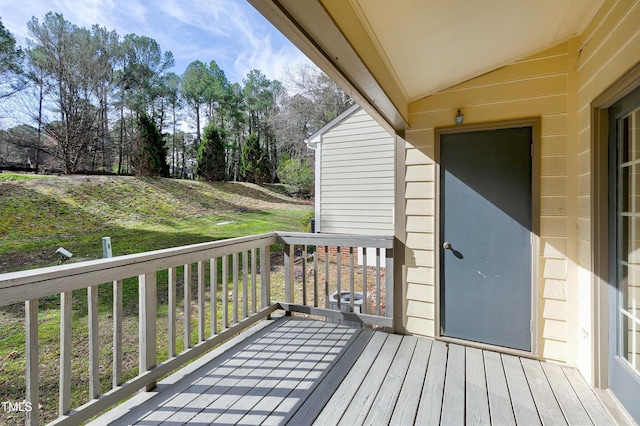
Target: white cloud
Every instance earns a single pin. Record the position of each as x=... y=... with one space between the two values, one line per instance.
x=230 y=32
x=85 y=13
x=239 y=36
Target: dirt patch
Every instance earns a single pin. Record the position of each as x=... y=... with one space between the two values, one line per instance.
x=25 y=260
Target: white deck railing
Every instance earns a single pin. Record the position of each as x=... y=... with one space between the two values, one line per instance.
x=242 y=288
x=314 y=295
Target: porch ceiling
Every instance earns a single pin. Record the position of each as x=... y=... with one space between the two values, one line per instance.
x=389 y=54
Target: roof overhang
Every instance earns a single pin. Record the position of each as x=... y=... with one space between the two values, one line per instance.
x=310 y=27
x=389 y=54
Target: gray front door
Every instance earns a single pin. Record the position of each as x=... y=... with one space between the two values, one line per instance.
x=486 y=223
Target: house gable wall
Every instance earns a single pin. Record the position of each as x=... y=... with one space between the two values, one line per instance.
x=357 y=178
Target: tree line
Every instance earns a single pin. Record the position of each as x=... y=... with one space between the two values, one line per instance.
x=96 y=101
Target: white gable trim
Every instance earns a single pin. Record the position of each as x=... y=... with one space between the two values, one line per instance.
x=316 y=138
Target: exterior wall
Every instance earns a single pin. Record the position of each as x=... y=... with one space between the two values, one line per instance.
x=534 y=87
x=558 y=86
x=609 y=47
x=357 y=177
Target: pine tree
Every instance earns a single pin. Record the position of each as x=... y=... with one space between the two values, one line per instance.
x=151 y=158
x=212 y=163
x=11 y=72
x=253 y=161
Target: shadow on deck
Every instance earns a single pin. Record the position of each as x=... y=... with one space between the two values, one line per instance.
x=299 y=371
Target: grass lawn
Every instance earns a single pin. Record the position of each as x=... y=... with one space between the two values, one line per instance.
x=139 y=214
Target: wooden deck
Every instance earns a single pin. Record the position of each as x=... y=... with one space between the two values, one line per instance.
x=298 y=371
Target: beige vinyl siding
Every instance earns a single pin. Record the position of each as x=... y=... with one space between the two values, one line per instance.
x=609 y=47
x=536 y=87
x=357 y=177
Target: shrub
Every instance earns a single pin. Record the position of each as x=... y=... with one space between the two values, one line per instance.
x=298 y=174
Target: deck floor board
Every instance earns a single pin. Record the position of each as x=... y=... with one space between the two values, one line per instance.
x=453 y=399
x=430 y=405
x=522 y=401
x=500 y=408
x=299 y=371
x=569 y=402
x=406 y=406
x=372 y=384
x=596 y=411
x=477 y=401
x=387 y=397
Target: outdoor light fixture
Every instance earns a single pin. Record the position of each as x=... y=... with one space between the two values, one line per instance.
x=459 y=118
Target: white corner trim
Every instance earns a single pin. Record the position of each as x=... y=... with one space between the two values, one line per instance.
x=318 y=180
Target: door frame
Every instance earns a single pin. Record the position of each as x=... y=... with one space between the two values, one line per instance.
x=600 y=222
x=603 y=293
x=534 y=123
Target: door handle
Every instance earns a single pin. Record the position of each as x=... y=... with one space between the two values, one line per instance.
x=447 y=246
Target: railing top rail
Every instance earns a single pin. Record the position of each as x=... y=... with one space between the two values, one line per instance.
x=345 y=240
x=43 y=282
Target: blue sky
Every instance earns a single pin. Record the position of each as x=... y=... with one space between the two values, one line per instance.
x=231 y=32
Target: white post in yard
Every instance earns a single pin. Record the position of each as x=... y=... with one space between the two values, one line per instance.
x=106 y=247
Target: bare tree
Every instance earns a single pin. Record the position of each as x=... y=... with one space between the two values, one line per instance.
x=59 y=51
x=328 y=100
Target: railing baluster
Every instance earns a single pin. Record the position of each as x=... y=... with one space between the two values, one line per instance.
x=245 y=284
x=234 y=295
x=116 y=369
x=304 y=275
x=171 y=320
x=388 y=286
x=288 y=274
x=64 y=403
x=225 y=291
x=378 y=281
x=147 y=291
x=201 y=316
x=187 y=306
x=315 y=276
x=365 y=275
x=213 y=280
x=32 y=367
x=94 y=341
x=254 y=291
x=117 y=334
x=326 y=277
x=351 y=280
x=265 y=276
x=339 y=276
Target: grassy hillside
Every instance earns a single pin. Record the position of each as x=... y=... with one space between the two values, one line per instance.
x=39 y=214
